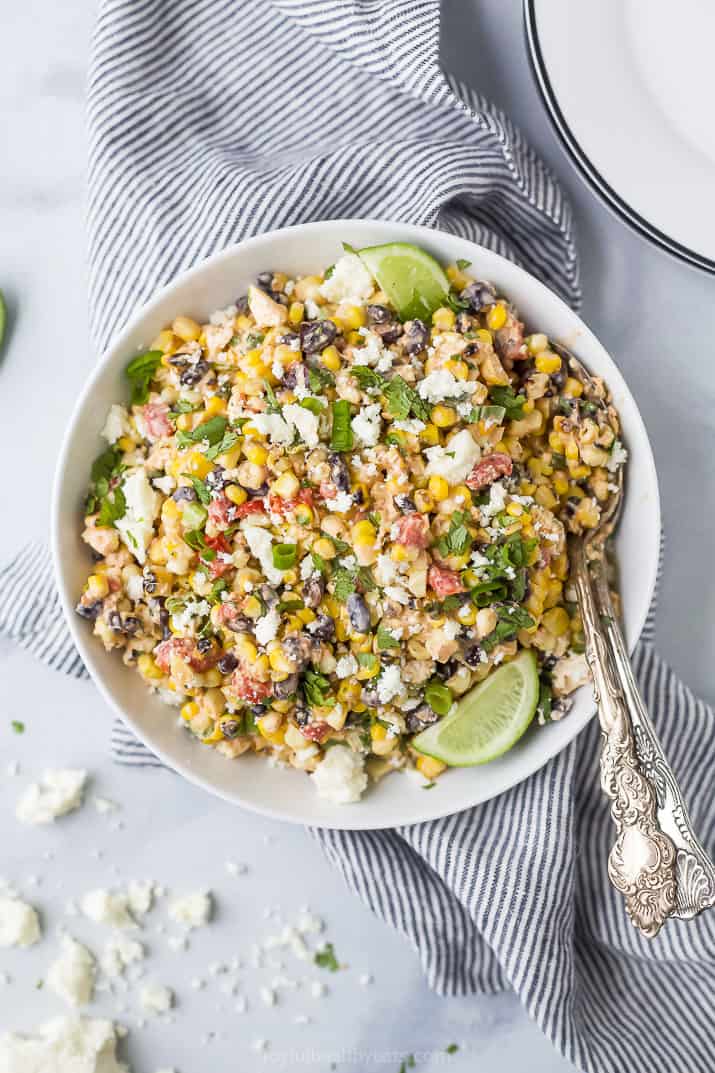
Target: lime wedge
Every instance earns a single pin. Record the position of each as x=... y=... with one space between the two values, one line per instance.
x=3 y=317
x=489 y=720
x=413 y=281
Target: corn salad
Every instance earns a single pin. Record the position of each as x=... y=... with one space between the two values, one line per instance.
x=316 y=525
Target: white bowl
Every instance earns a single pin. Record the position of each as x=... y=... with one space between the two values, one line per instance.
x=251 y=782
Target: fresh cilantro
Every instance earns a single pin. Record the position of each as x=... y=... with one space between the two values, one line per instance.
x=319 y=379
x=112 y=508
x=316 y=688
x=510 y=619
x=344 y=583
x=328 y=271
x=183 y=406
x=385 y=639
x=403 y=400
x=407 y=1063
x=367 y=378
x=488 y=592
x=105 y=466
x=295 y=604
x=211 y=431
x=196 y=541
x=513 y=404
x=374 y=519
x=319 y=563
x=341 y=546
x=367 y=581
x=273 y=404
x=229 y=439
x=462 y=264
x=254 y=339
x=139 y=373
x=201 y=488
x=325 y=958
x=543 y=707
x=17 y=726
x=457 y=539
x=455 y=303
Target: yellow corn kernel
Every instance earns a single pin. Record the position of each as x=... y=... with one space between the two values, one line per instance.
x=554 y=594
x=229 y=459
x=438 y=488
x=430 y=435
x=429 y=767
x=573 y=388
x=458 y=369
x=303 y=514
x=275 y=737
x=353 y=317
x=293 y=624
x=306 y=615
x=157 y=552
x=330 y=358
x=534 y=466
x=526 y=488
x=252 y=607
x=534 y=605
x=443 y=319
x=255 y=453
x=587 y=514
x=324 y=548
x=286 y=486
x=514 y=510
x=399 y=553
x=545 y=497
x=97 y=586
x=165 y=341
x=424 y=501
x=349 y=693
x=363 y=532
x=467 y=614
x=496 y=317
x=295 y=312
x=579 y=472
x=189 y=710
x=547 y=362
x=556 y=443
x=184 y=422
x=148 y=667
x=196 y=465
x=443 y=416
x=536 y=343
x=125 y=443
x=561 y=485
x=186 y=329
x=571 y=450
x=279 y=662
x=378 y=732
x=236 y=494
x=456 y=277
x=215 y=405
x=557 y=621
x=462 y=494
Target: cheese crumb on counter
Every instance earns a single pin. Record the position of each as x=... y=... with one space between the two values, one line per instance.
x=64 y=1045
x=105 y=907
x=71 y=976
x=155 y=998
x=59 y=792
x=192 y=910
x=19 y=923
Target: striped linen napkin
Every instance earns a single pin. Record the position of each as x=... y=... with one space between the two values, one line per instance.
x=268 y=112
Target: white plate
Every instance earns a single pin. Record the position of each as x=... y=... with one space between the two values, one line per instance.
x=288 y=794
x=629 y=85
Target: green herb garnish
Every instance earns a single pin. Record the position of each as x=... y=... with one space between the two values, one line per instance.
x=211 y=431
x=326 y=959
x=513 y=404
x=344 y=582
x=462 y=264
x=403 y=400
x=273 y=404
x=316 y=688
x=385 y=639
x=319 y=379
x=511 y=619
x=201 y=488
x=284 y=556
x=17 y=726
x=438 y=696
x=139 y=373
x=457 y=539
x=341 y=437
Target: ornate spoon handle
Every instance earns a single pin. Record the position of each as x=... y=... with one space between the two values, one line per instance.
x=656 y=862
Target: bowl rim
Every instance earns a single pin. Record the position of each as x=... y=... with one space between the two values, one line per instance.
x=352 y=818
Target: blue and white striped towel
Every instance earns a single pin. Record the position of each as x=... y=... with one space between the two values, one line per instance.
x=212 y=120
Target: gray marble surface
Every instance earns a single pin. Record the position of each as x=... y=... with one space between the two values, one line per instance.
x=658 y=319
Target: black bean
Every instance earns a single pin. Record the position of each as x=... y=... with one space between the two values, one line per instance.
x=131 y=625
x=472 y=656
x=216 y=479
x=404 y=503
x=89 y=611
x=445 y=670
x=370 y=697
x=315 y=335
x=96 y=556
x=415 y=337
x=185 y=494
x=286 y=688
x=258 y=709
x=241 y=304
x=313 y=591
x=290 y=376
x=389 y=333
x=464 y=323
x=358 y=613
x=114 y=619
x=149 y=582
x=298 y=648
x=289 y=339
x=231 y=728
x=204 y=644
x=339 y=473
x=301 y=714
x=419 y=718
x=193 y=373
x=264 y=280
x=323 y=628
x=239 y=624
x=258 y=493
x=227 y=663
x=379 y=314
x=268 y=595
x=479 y=295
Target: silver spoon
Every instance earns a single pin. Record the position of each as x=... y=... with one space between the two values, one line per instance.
x=657 y=862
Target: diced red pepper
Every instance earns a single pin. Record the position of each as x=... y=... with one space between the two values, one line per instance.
x=489 y=470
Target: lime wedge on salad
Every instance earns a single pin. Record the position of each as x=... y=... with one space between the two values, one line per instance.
x=489 y=720
x=413 y=281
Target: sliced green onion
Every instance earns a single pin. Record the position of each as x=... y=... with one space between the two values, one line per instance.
x=341 y=438
x=314 y=405
x=284 y=556
x=194 y=515
x=439 y=697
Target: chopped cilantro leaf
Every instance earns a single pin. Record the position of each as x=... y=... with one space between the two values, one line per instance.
x=385 y=638
x=316 y=688
x=212 y=431
x=462 y=264
x=139 y=373
x=458 y=539
x=513 y=404
x=325 y=958
x=17 y=726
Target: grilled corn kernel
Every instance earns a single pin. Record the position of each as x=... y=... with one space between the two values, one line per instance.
x=196 y=465
x=443 y=319
x=430 y=435
x=148 y=666
x=438 y=488
x=330 y=358
x=573 y=388
x=462 y=494
x=215 y=405
x=536 y=343
x=125 y=443
x=363 y=533
x=547 y=362
x=378 y=732
x=255 y=453
x=236 y=494
x=186 y=329
x=295 y=312
x=545 y=497
x=561 y=484
x=184 y=422
x=189 y=710
x=443 y=416
x=556 y=621
x=287 y=485
x=467 y=614
x=458 y=369
x=399 y=553
x=97 y=586
x=496 y=317
x=303 y=514
x=252 y=607
x=429 y=767
x=353 y=317
x=165 y=341
x=324 y=548
x=279 y=661
x=514 y=510
x=306 y=615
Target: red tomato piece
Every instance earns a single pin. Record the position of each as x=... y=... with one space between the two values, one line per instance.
x=316 y=731
x=157 y=420
x=444 y=582
x=248 y=688
x=413 y=530
x=222 y=512
x=251 y=506
x=488 y=470
x=175 y=646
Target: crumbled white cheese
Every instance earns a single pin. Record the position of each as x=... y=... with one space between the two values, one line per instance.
x=307 y=568
x=304 y=420
x=63 y=1045
x=441 y=384
x=19 y=923
x=412 y=425
x=397 y=593
x=569 y=673
x=183 y=620
x=275 y=427
x=191 y=910
x=266 y=628
x=389 y=684
x=104 y=805
x=497 y=500
x=341 y=504
x=141 y=896
x=451 y=629
x=105 y=907
x=349 y=281
x=119 y=953
x=346 y=666
x=318 y=988
x=372 y=352
x=165 y=484
x=385 y=570
x=454 y=461
x=135 y=587
x=617 y=457
x=117 y=424
x=340 y=777
x=261 y=547
x=155 y=998
x=367 y=424
x=136 y=527
x=59 y=792
x=71 y=976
